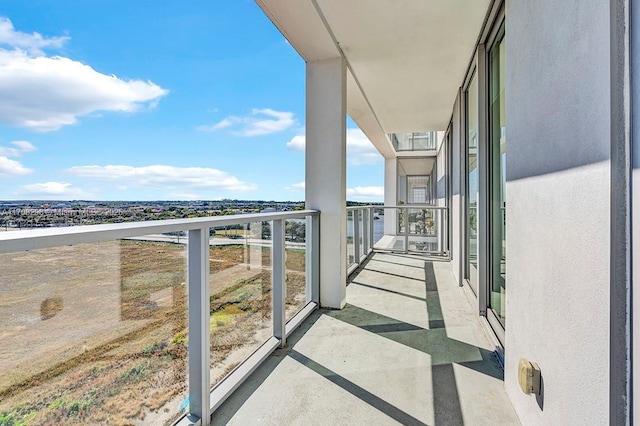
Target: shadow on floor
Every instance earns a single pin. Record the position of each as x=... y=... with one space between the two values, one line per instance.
x=444 y=352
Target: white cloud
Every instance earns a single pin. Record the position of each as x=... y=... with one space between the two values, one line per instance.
x=297 y=143
x=21 y=148
x=366 y=193
x=296 y=187
x=227 y=122
x=359 y=149
x=358 y=193
x=62 y=190
x=44 y=93
x=33 y=43
x=25 y=146
x=169 y=178
x=12 y=167
x=260 y=122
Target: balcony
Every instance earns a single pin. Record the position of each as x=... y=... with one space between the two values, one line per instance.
x=167 y=321
x=416 y=141
x=406 y=349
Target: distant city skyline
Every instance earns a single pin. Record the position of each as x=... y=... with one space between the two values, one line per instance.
x=147 y=101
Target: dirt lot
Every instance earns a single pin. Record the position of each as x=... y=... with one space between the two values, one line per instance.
x=97 y=333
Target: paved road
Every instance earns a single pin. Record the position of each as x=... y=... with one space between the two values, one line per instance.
x=216 y=241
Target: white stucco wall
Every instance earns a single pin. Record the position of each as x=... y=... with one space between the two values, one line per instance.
x=558 y=141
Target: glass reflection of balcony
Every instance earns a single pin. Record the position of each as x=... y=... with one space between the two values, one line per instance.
x=416 y=141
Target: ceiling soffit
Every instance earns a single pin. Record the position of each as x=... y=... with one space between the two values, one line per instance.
x=406 y=58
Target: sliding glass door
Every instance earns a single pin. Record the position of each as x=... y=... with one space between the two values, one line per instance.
x=484 y=177
x=497 y=178
x=472 y=185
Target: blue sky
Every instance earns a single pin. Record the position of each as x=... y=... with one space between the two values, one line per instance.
x=153 y=100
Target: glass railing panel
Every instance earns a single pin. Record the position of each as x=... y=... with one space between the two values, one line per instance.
x=361 y=231
x=421 y=221
x=295 y=266
x=240 y=293
x=94 y=333
x=350 y=238
x=402 y=221
x=379 y=218
x=421 y=230
x=426 y=229
x=417 y=141
x=410 y=228
x=388 y=228
x=404 y=144
x=423 y=142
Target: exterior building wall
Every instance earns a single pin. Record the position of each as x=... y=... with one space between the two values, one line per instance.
x=558 y=184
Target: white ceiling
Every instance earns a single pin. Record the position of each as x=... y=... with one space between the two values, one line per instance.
x=406 y=58
x=416 y=166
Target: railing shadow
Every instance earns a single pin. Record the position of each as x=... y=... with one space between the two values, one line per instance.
x=443 y=351
x=235 y=402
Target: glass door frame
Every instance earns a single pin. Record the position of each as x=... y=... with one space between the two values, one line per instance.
x=474 y=73
x=486 y=254
x=448 y=141
x=479 y=68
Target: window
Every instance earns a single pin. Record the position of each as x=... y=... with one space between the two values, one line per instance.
x=417 y=190
x=419 y=195
x=472 y=184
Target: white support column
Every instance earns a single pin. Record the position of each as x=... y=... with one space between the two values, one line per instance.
x=325 y=170
x=390 y=195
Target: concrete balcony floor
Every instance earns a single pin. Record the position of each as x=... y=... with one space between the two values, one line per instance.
x=407 y=349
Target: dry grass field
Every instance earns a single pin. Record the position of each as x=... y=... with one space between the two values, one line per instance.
x=97 y=333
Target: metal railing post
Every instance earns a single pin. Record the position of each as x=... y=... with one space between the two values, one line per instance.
x=356 y=236
x=365 y=231
x=198 y=311
x=245 y=228
x=372 y=233
x=440 y=228
x=405 y=213
x=278 y=277
x=312 y=264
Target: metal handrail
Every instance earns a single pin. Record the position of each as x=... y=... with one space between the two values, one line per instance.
x=403 y=206
x=201 y=401
x=33 y=239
